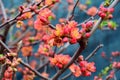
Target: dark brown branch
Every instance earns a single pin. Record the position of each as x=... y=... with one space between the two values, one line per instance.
x=73 y=11
x=35 y=71
x=83 y=44
x=2 y=70
x=75 y=56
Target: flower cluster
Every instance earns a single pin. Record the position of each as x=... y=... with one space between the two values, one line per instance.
x=116 y=65
x=69 y=32
x=26 y=51
x=43 y=18
x=83 y=68
x=66 y=32
x=111 y=74
x=8 y=74
x=76 y=70
x=45 y=50
x=87 y=68
x=92 y=11
x=12 y=62
x=28 y=74
x=24 y=15
x=115 y=54
x=106 y=13
x=86 y=27
x=60 y=60
x=49 y=2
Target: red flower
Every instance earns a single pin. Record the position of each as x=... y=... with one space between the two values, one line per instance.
x=87 y=68
x=92 y=11
x=59 y=30
x=75 y=70
x=45 y=50
x=75 y=33
x=60 y=60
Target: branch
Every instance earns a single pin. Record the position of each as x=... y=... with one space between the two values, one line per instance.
x=63 y=47
x=100 y=19
x=66 y=76
x=3 y=68
x=3 y=10
x=41 y=66
x=94 y=52
x=35 y=71
x=23 y=63
x=13 y=21
x=75 y=56
x=82 y=44
x=18 y=39
x=73 y=11
x=91 y=18
x=5 y=19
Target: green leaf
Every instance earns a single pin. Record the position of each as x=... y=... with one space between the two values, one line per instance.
x=113 y=24
x=103 y=23
x=88 y=2
x=107 y=69
x=50 y=18
x=32 y=39
x=1 y=55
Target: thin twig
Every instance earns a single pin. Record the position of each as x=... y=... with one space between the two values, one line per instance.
x=91 y=18
x=23 y=63
x=63 y=47
x=18 y=39
x=73 y=11
x=13 y=21
x=41 y=66
x=66 y=76
x=3 y=10
x=94 y=52
x=100 y=19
